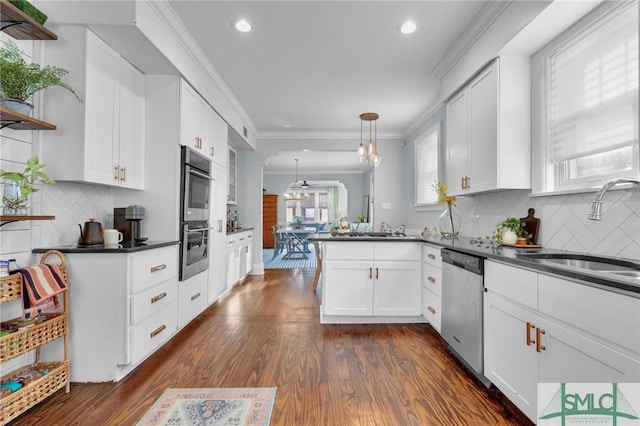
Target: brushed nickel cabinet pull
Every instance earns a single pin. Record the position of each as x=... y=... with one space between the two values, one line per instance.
x=433 y=280
x=117 y=174
x=195 y=296
x=530 y=326
x=468 y=184
x=431 y=256
x=158 y=268
x=161 y=296
x=377 y=274
x=370 y=272
x=157 y=331
x=212 y=150
x=431 y=309
x=539 y=346
x=124 y=174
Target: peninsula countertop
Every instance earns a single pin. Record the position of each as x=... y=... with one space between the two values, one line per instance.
x=124 y=247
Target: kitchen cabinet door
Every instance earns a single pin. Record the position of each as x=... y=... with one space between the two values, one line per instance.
x=216 y=137
x=509 y=362
x=217 y=236
x=456 y=145
x=192 y=297
x=131 y=140
x=191 y=116
x=348 y=288
x=569 y=356
x=232 y=190
x=397 y=288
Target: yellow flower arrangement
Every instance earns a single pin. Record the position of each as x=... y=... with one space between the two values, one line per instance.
x=450 y=200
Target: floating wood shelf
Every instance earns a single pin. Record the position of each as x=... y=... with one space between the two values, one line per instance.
x=21 y=26
x=14 y=120
x=17 y=218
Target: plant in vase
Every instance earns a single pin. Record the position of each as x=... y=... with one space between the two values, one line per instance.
x=510 y=231
x=20 y=80
x=18 y=186
x=449 y=221
x=297 y=223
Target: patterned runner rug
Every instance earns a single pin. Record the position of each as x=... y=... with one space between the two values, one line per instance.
x=212 y=407
x=280 y=263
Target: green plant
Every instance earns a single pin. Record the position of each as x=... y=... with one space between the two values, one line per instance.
x=362 y=218
x=297 y=222
x=20 y=80
x=509 y=224
x=26 y=180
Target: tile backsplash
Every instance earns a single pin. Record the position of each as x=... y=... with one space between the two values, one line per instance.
x=563 y=220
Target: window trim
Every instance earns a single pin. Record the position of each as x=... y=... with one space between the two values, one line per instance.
x=544 y=174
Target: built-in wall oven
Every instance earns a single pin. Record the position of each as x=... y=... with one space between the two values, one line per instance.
x=195 y=192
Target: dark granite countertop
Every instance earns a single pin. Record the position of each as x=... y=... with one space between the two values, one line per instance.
x=126 y=247
x=509 y=255
x=237 y=230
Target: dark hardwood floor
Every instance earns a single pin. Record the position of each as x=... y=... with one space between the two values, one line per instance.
x=267 y=333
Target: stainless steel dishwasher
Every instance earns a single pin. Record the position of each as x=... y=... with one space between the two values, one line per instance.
x=462 y=296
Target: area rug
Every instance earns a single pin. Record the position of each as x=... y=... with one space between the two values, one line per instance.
x=212 y=407
x=279 y=262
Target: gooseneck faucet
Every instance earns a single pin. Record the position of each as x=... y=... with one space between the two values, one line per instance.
x=596 y=204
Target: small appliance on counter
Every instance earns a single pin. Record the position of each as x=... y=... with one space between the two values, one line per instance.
x=91 y=234
x=127 y=220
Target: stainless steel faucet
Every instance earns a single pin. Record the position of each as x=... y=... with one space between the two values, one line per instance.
x=596 y=204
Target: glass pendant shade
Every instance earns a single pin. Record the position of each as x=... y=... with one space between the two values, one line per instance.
x=371 y=153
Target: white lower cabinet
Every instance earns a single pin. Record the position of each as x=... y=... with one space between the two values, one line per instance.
x=432 y=285
x=374 y=280
x=124 y=309
x=530 y=343
x=192 y=297
x=240 y=255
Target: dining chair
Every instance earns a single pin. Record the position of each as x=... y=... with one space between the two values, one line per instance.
x=281 y=241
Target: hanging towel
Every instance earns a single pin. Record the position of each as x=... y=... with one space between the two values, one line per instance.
x=40 y=286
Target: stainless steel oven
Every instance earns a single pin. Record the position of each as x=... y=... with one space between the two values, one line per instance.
x=194 y=249
x=195 y=186
x=195 y=190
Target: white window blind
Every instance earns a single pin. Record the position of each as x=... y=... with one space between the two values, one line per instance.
x=593 y=89
x=426 y=152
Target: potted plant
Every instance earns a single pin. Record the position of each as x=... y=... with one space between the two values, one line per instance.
x=20 y=80
x=297 y=223
x=510 y=231
x=362 y=218
x=18 y=186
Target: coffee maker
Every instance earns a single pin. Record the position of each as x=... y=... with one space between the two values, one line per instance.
x=127 y=220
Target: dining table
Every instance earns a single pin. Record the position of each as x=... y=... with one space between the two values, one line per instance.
x=298 y=242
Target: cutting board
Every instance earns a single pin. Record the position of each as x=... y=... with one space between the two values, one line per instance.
x=531 y=225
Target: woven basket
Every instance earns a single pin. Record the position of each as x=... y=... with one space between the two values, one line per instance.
x=11 y=286
x=21 y=400
x=27 y=339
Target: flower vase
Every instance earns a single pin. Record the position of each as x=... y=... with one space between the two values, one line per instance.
x=13 y=201
x=449 y=222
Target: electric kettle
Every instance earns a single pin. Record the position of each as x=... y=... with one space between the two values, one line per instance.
x=91 y=235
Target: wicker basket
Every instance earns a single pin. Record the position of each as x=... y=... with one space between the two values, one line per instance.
x=27 y=339
x=21 y=400
x=11 y=286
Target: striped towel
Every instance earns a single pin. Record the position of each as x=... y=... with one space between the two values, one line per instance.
x=40 y=286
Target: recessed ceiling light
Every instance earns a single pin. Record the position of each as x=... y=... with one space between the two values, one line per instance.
x=286 y=126
x=408 y=27
x=242 y=25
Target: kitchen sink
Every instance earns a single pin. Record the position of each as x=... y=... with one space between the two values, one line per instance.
x=585 y=261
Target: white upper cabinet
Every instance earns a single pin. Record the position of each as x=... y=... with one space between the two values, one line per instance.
x=488 y=131
x=102 y=139
x=201 y=128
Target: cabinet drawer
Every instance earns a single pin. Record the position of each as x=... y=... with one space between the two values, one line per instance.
x=432 y=279
x=152 y=267
x=611 y=316
x=153 y=299
x=514 y=283
x=348 y=251
x=431 y=255
x=431 y=310
x=396 y=251
x=192 y=298
x=153 y=332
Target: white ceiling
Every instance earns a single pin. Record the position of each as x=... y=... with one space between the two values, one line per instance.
x=310 y=68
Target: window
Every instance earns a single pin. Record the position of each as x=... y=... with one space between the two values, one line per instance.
x=313 y=209
x=426 y=171
x=588 y=106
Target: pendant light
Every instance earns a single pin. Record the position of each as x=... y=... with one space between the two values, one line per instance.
x=292 y=194
x=370 y=152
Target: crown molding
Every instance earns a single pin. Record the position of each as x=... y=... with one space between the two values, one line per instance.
x=481 y=23
x=175 y=26
x=319 y=135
